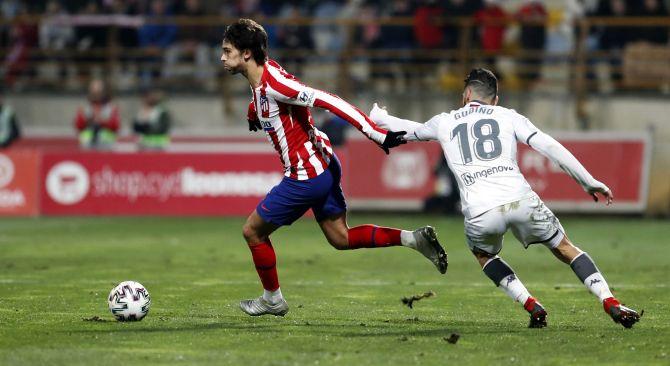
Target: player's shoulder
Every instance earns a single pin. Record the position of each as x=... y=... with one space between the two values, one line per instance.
x=277 y=71
x=510 y=112
x=507 y=115
x=443 y=118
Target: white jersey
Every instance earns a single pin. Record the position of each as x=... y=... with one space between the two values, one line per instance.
x=480 y=145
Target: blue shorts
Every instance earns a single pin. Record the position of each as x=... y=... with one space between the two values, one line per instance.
x=291 y=198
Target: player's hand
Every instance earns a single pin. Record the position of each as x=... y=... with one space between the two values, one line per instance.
x=604 y=191
x=377 y=115
x=393 y=139
x=254 y=125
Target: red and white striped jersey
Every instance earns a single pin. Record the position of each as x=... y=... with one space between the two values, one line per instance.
x=281 y=104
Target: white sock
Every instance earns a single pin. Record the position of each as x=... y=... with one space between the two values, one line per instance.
x=515 y=289
x=407 y=239
x=272 y=297
x=598 y=286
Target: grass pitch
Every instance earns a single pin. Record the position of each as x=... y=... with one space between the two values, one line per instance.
x=55 y=274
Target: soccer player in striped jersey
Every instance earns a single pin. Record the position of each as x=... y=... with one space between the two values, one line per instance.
x=280 y=107
x=479 y=142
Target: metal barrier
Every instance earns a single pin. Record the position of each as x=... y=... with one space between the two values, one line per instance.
x=338 y=69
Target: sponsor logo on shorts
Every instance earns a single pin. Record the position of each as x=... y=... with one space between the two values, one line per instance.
x=470 y=178
x=267 y=126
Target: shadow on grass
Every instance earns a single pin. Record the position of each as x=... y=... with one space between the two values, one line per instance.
x=371 y=329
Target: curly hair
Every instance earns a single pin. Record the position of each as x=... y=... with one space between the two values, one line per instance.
x=246 y=34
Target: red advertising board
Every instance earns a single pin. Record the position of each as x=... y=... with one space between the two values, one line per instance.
x=232 y=180
x=18 y=183
x=156 y=183
x=401 y=180
x=621 y=161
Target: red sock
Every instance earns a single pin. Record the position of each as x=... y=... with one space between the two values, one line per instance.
x=609 y=302
x=265 y=261
x=372 y=236
x=530 y=304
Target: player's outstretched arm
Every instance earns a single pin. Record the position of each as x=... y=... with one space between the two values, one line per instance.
x=553 y=150
x=288 y=90
x=415 y=131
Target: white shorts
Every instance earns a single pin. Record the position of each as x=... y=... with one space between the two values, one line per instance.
x=530 y=220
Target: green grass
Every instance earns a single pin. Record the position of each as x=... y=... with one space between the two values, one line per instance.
x=345 y=306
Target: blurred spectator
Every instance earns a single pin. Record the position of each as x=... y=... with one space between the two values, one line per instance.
x=247 y=8
x=367 y=38
x=328 y=38
x=458 y=8
x=400 y=40
x=155 y=37
x=651 y=8
x=192 y=43
x=336 y=129
x=152 y=122
x=533 y=17
x=98 y=120
x=491 y=20
x=446 y=198
x=398 y=36
x=91 y=43
x=127 y=38
x=428 y=30
x=22 y=39
x=9 y=9
x=614 y=38
x=56 y=35
x=9 y=125
x=295 y=39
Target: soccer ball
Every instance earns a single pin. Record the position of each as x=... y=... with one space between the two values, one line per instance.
x=129 y=301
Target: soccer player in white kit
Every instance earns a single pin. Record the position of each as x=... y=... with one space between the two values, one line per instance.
x=480 y=145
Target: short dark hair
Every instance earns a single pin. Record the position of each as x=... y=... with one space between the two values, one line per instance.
x=246 y=34
x=483 y=82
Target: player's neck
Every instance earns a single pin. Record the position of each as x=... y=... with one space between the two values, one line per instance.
x=255 y=74
x=477 y=100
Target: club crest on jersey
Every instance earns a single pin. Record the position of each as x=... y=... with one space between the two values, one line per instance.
x=265 y=104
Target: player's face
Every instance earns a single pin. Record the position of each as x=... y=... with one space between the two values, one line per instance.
x=232 y=58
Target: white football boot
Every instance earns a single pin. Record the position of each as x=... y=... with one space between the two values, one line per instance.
x=427 y=244
x=260 y=306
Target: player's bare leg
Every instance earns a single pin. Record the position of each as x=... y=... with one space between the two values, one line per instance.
x=257 y=234
x=587 y=272
x=504 y=277
x=423 y=240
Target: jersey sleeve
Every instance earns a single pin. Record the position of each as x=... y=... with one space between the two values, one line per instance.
x=524 y=130
x=552 y=149
x=428 y=131
x=290 y=91
x=415 y=131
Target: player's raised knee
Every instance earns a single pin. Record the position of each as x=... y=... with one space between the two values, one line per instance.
x=250 y=234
